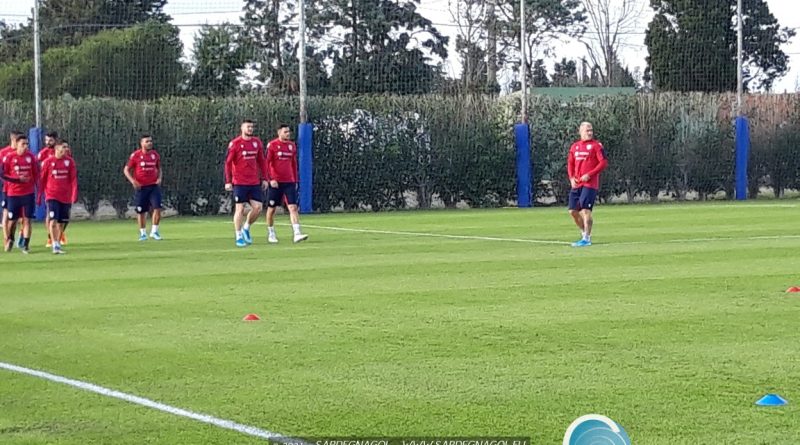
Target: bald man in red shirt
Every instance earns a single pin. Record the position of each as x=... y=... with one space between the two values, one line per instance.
x=587 y=158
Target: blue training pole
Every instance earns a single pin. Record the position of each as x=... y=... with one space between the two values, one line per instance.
x=305 y=139
x=742 y=156
x=523 y=143
x=35 y=142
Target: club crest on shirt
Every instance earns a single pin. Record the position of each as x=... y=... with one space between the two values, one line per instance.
x=28 y=159
x=153 y=157
x=66 y=163
x=589 y=146
x=255 y=145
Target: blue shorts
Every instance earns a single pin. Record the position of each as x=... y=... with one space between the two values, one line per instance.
x=246 y=193
x=147 y=198
x=58 y=211
x=21 y=207
x=286 y=190
x=582 y=198
x=2 y=199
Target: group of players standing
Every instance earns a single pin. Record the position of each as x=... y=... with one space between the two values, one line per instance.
x=52 y=175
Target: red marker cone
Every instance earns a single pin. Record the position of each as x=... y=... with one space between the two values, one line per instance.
x=251 y=317
x=793 y=290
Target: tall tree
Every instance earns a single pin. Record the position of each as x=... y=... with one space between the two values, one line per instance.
x=693 y=46
x=539 y=74
x=386 y=46
x=69 y=22
x=266 y=28
x=565 y=73
x=470 y=18
x=219 y=56
x=546 y=21
x=610 y=22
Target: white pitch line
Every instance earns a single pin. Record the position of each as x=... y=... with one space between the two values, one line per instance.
x=205 y=418
x=439 y=235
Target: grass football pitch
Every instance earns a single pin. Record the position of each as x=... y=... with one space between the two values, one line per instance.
x=439 y=323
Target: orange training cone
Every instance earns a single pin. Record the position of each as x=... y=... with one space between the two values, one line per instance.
x=251 y=317
x=793 y=290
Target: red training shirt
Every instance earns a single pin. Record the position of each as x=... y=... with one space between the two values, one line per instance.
x=59 y=180
x=21 y=167
x=3 y=153
x=282 y=160
x=587 y=158
x=145 y=166
x=245 y=163
x=45 y=153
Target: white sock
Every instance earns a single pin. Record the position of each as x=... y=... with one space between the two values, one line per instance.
x=154 y=229
x=143 y=231
x=587 y=237
x=246 y=226
x=296 y=228
x=238 y=234
x=583 y=235
x=271 y=230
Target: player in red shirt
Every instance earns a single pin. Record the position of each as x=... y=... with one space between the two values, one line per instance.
x=20 y=173
x=45 y=153
x=587 y=158
x=143 y=170
x=59 y=185
x=282 y=167
x=246 y=177
x=3 y=152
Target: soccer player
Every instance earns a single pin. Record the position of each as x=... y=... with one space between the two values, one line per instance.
x=44 y=154
x=587 y=158
x=282 y=167
x=246 y=177
x=59 y=185
x=3 y=153
x=20 y=171
x=143 y=170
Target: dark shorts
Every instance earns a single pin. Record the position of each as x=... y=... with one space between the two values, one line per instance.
x=286 y=190
x=582 y=198
x=58 y=211
x=245 y=193
x=20 y=206
x=147 y=198
x=2 y=199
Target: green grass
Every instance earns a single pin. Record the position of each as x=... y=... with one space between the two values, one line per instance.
x=381 y=334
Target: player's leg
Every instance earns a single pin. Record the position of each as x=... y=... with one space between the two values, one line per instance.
x=142 y=203
x=586 y=203
x=60 y=221
x=10 y=222
x=274 y=196
x=63 y=239
x=29 y=209
x=255 y=197
x=49 y=242
x=290 y=192
x=54 y=212
x=155 y=205
x=239 y=199
x=5 y=216
x=574 y=211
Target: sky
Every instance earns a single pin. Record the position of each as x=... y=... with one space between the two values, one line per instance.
x=189 y=14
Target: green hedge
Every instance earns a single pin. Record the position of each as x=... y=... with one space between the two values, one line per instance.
x=382 y=153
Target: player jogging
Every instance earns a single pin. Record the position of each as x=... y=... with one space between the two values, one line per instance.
x=11 y=148
x=246 y=177
x=44 y=154
x=20 y=171
x=59 y=185
x=143 y=170
x=282 y=167
x=587 y=158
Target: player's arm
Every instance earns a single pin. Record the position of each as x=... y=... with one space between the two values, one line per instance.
x=43 y=178
x=602 y=162
x=571 y=168
x=262 y=165
x=74 y=180
x=160 y=171
x=270 y=163
x=127 y=171
x=229 y=168
x=294 y=165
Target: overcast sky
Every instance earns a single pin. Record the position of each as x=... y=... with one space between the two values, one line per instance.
x=189 y=13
